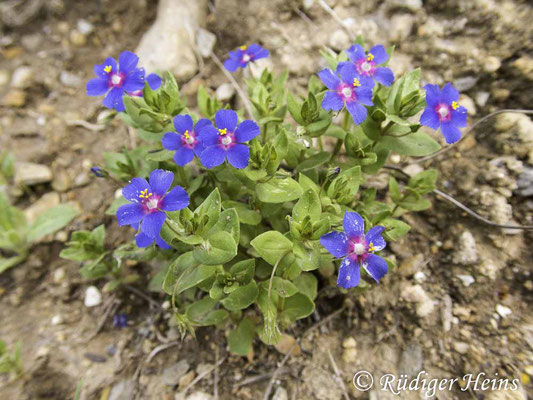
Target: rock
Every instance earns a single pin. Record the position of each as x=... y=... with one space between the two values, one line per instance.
x=432 y=28
x=280 y=394
x=339 y=40
x=467 y=102
x=411 y=5
x=416 y=294
x=503 y=311
x=122 y=391
x=411 y=360
x=173 y=374
x=32 y=41
x=349 y=343
x=93 y=297
x=199 y=396
x=31 y=174
x=461 y=347
x=349 y=355
x=411 y=265
x=225 y=92
x=46 y=202
x=508 y=394
x=467 y=280
x=419 y=277
x=84 y=27
x=62 y=181
x=401 y=26
x=169 y=43
x=286 y=343
x=482 y=98
x=466 y=251
x=69 y=79
x=500 y=94
x=14 y=98
x=59 y=275
x=205 y=41
x=525 y=66
x=446 y=313
x=57 y=320
x=319 y=384
x=4 y=77
x=525 y=182
x=465 y=83
x=413 y=169
x=186 y=379
x=499 y=209
x=77 y=38
x=491 y=64
x=22 y=77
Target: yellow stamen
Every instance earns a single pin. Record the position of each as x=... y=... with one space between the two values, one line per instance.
x=223 y=131
x=243 y=47
x=186 y=134
x=370 y=57
x=371 y=247
x=455 y=105
x=107 y=69
x=356 y=82
x=144 y=194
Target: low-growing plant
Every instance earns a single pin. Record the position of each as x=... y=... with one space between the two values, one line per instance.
x=253 y=212
x=11 y=362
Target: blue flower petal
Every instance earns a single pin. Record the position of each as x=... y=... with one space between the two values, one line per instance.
x=348 y=73
x=198 y=149
x=232 y=64
x=329 y=78
x=97 y=87
x=430 y=118
x=176 y=199
x=171 y=141
x=379 y=53
x=226 y=119
x=134 y=80
x=364 y=95
x=141 y=240
x=132 y=191
x=239 y=155
x=432 y=95
x=458 y=117
x=183 y=123
x=161 y=243
x=357 y=111
x=356 y=52
x=376 y=267
x=129 y=214
x=208 y=135
x=127 y=62
x=336 y=243
x=354 y=224
x=154 y=81
x=450 y=132
x=152 y=223
x=257 y=52
x=183 y=156
x=213 y=156
x=160 y=181
x=384 y=75
x=99 y=69
x=449 y=94
x=246 y=131
x=332 y=101
x=114 y=99
x=202 y=123
x=374 y=236
x=349 y=274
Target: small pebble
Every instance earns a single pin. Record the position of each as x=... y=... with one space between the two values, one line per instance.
x=93 y=297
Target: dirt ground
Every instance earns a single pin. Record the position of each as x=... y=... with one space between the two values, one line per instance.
x=460 y=301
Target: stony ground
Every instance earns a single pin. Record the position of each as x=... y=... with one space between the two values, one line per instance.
x=460 y=300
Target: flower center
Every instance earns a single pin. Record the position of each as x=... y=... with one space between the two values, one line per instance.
x=370 y=57
x=116 y=79
x=188 y=138
x=356 y=82
x=246 y=58
x=347 y=92
x=152 y=203
x=366 y=66
x=107 y=69
x=359 y=248
x=226 y=140
x=443 y=111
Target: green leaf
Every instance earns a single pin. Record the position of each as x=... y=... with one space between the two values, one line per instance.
x=424 y=182
x=228 y=222
x=394 y=190
x=416 y=144
x=202 y=313
x=246 y=216
x=281 y=287
x=278 y=190
x=309 y=204
x=219 y=248
x=51 y=221
x=307 y=284
x=395 y=228
x=271 y=246
x=176 y=268
x=211 y=207
x=240 y=339
x=160 y=155
x=314 y=161
x=241 y=298
x=296 y=307
x=193 y=276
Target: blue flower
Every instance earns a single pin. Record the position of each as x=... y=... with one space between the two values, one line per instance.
x=243 y=55
x=141 y=240
x=369 y=64
x=444 y=111
x=114 y=80
x=185 y=142
x=154 y=81
x=120 y=320
x=226 y=140
x=97 y=171
x=149 y=201
x=352 y=90
x=357 y=249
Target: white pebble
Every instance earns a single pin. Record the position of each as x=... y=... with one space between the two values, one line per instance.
x=467 y=280
x=57 y=320
x=503 y=311
x=93 y=297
